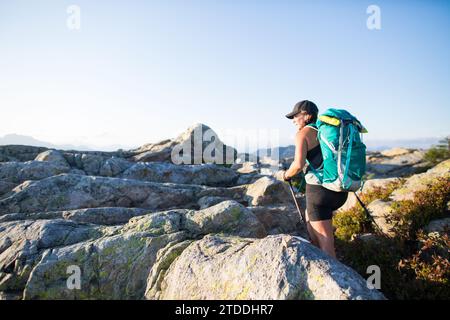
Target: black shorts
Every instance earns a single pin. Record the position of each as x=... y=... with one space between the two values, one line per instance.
x=321 y=202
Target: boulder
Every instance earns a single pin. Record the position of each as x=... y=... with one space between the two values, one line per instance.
x=103 y=216
x=203 y=174
x=227 y=217
x=193 y=146
x=396 y=163
x=100 y=216
x=236 y=193
x=52 y=156
x=90 y=163
x=68 y=191
x=21 y=244
x=114 y=267
x=164 y=259
x=114 y=166
x=246 y=167
x=32 y=216
x=278 y=219
x=380 y=211
x=18 y=172
x=273 y=268
x=395 y=152
x=159 y=151
x=266 y=191
x=117 y=264
x=421 y=181
x=248 y=178
x=19 y=153
x=207 y=201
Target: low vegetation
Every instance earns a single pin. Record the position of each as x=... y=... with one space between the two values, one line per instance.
x=413 y=264
x=439 y=152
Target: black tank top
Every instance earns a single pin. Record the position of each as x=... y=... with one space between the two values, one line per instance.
x=314 y=157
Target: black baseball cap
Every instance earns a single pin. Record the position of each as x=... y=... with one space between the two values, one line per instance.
x=305 y=105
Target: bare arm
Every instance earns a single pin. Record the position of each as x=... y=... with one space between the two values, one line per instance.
x=301 y=148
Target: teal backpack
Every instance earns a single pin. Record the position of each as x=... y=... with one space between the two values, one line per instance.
x=344 y=153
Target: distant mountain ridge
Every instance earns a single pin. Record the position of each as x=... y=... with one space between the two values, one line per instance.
x=419 y=143
x=284 y=151
x=18 y=139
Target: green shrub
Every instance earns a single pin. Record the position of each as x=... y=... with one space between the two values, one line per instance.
x=410 y=215
x=439 y=152
x=355 y=221
x=349 y=223
x=413 y=265
x=405 y=273
x=431 y=262
x=430 y=267
x=383 y=252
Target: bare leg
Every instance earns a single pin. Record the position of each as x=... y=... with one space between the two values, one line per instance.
x=311 y=232
x=323 y=231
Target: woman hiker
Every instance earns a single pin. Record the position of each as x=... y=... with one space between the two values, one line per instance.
x=320 y=202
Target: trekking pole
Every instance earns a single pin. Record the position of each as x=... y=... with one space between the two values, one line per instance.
x=368 y=214
x=299 y=209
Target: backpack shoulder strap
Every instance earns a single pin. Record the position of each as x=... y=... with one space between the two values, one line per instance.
x=314 y=170
x=312 y=125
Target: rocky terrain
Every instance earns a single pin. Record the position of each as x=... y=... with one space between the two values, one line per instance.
x=140 y=227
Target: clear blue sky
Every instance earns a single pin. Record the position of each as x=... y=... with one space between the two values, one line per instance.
x=142 y=71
